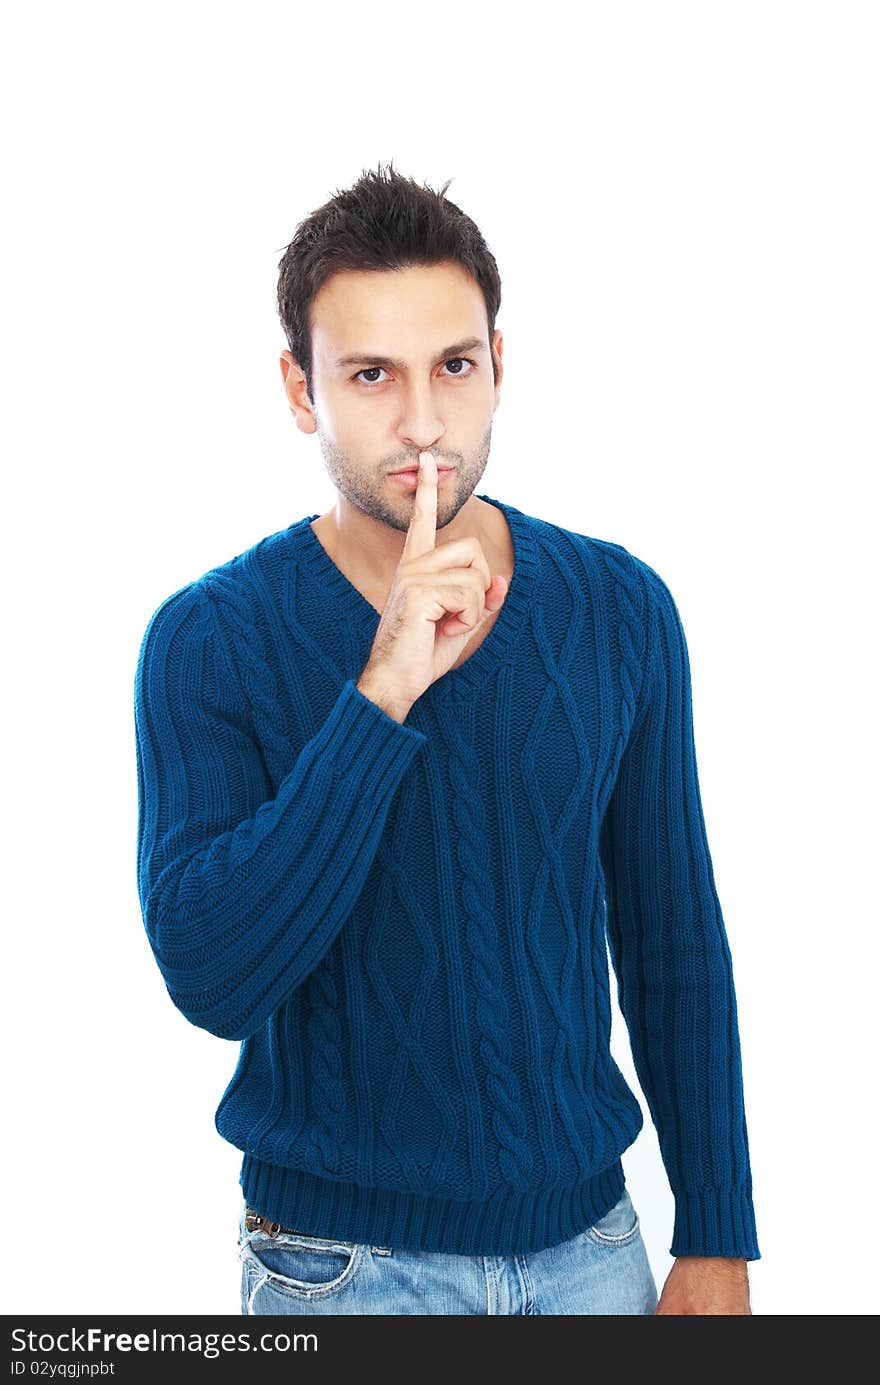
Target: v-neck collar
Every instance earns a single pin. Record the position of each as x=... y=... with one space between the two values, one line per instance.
x=497 y=646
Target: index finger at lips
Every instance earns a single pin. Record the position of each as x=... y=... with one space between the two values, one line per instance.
x=421 y=536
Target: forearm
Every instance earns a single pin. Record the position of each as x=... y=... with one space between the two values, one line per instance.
x=238 y=923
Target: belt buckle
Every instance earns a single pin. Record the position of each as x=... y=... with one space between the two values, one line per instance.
x=254 y=1222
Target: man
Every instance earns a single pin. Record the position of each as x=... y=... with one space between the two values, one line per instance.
x=402 y=768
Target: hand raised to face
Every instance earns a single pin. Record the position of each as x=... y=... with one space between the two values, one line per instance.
x=440 y=596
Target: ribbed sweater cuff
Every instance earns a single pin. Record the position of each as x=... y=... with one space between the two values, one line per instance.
x=358 y=727
x=715 y=1221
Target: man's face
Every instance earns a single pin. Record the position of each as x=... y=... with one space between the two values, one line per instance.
x=372 y=418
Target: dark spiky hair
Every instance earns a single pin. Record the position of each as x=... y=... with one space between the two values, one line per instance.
x=384 y=221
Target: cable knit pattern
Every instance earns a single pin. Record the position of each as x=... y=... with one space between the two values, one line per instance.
x=407 y=926
x=253 y=669
x=321 y=1155
x=481 y=935
x=629 y=600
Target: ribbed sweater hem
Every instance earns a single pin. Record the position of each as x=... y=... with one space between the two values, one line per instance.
x=506 y=1222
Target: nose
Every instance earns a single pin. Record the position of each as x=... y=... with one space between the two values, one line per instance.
x=420 y=425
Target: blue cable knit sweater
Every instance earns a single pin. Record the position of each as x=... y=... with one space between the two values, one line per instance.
x=404 y=924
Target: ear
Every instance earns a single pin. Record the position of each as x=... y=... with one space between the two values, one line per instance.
x=297 y=393
x=497 y=352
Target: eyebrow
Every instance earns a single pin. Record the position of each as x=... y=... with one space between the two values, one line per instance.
x=363 y=358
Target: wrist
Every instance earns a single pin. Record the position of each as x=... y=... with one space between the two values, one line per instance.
x=735 y=1265
x=389 y=704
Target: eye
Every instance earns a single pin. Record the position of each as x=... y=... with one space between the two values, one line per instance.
x=456 y=375
x=368 y=370
x=465 y=360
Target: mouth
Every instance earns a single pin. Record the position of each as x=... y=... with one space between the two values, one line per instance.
x=413 y=470
x=409 y=478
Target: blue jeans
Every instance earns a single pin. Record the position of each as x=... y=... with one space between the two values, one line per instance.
x=603 y=1270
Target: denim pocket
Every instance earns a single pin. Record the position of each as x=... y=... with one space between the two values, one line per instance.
x=296 y=1264
x=618 y=1227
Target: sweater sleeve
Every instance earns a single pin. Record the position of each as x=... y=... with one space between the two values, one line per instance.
x=671 y=957
x=243 y=893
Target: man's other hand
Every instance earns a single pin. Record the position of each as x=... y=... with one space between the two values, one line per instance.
x=706 y=1284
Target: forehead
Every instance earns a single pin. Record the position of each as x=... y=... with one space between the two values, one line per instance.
x=412 y=310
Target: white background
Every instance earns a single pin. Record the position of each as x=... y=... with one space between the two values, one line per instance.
x=683 y=202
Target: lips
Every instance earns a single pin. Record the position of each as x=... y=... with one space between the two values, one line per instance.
x=412 y=470
x=410 y=479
